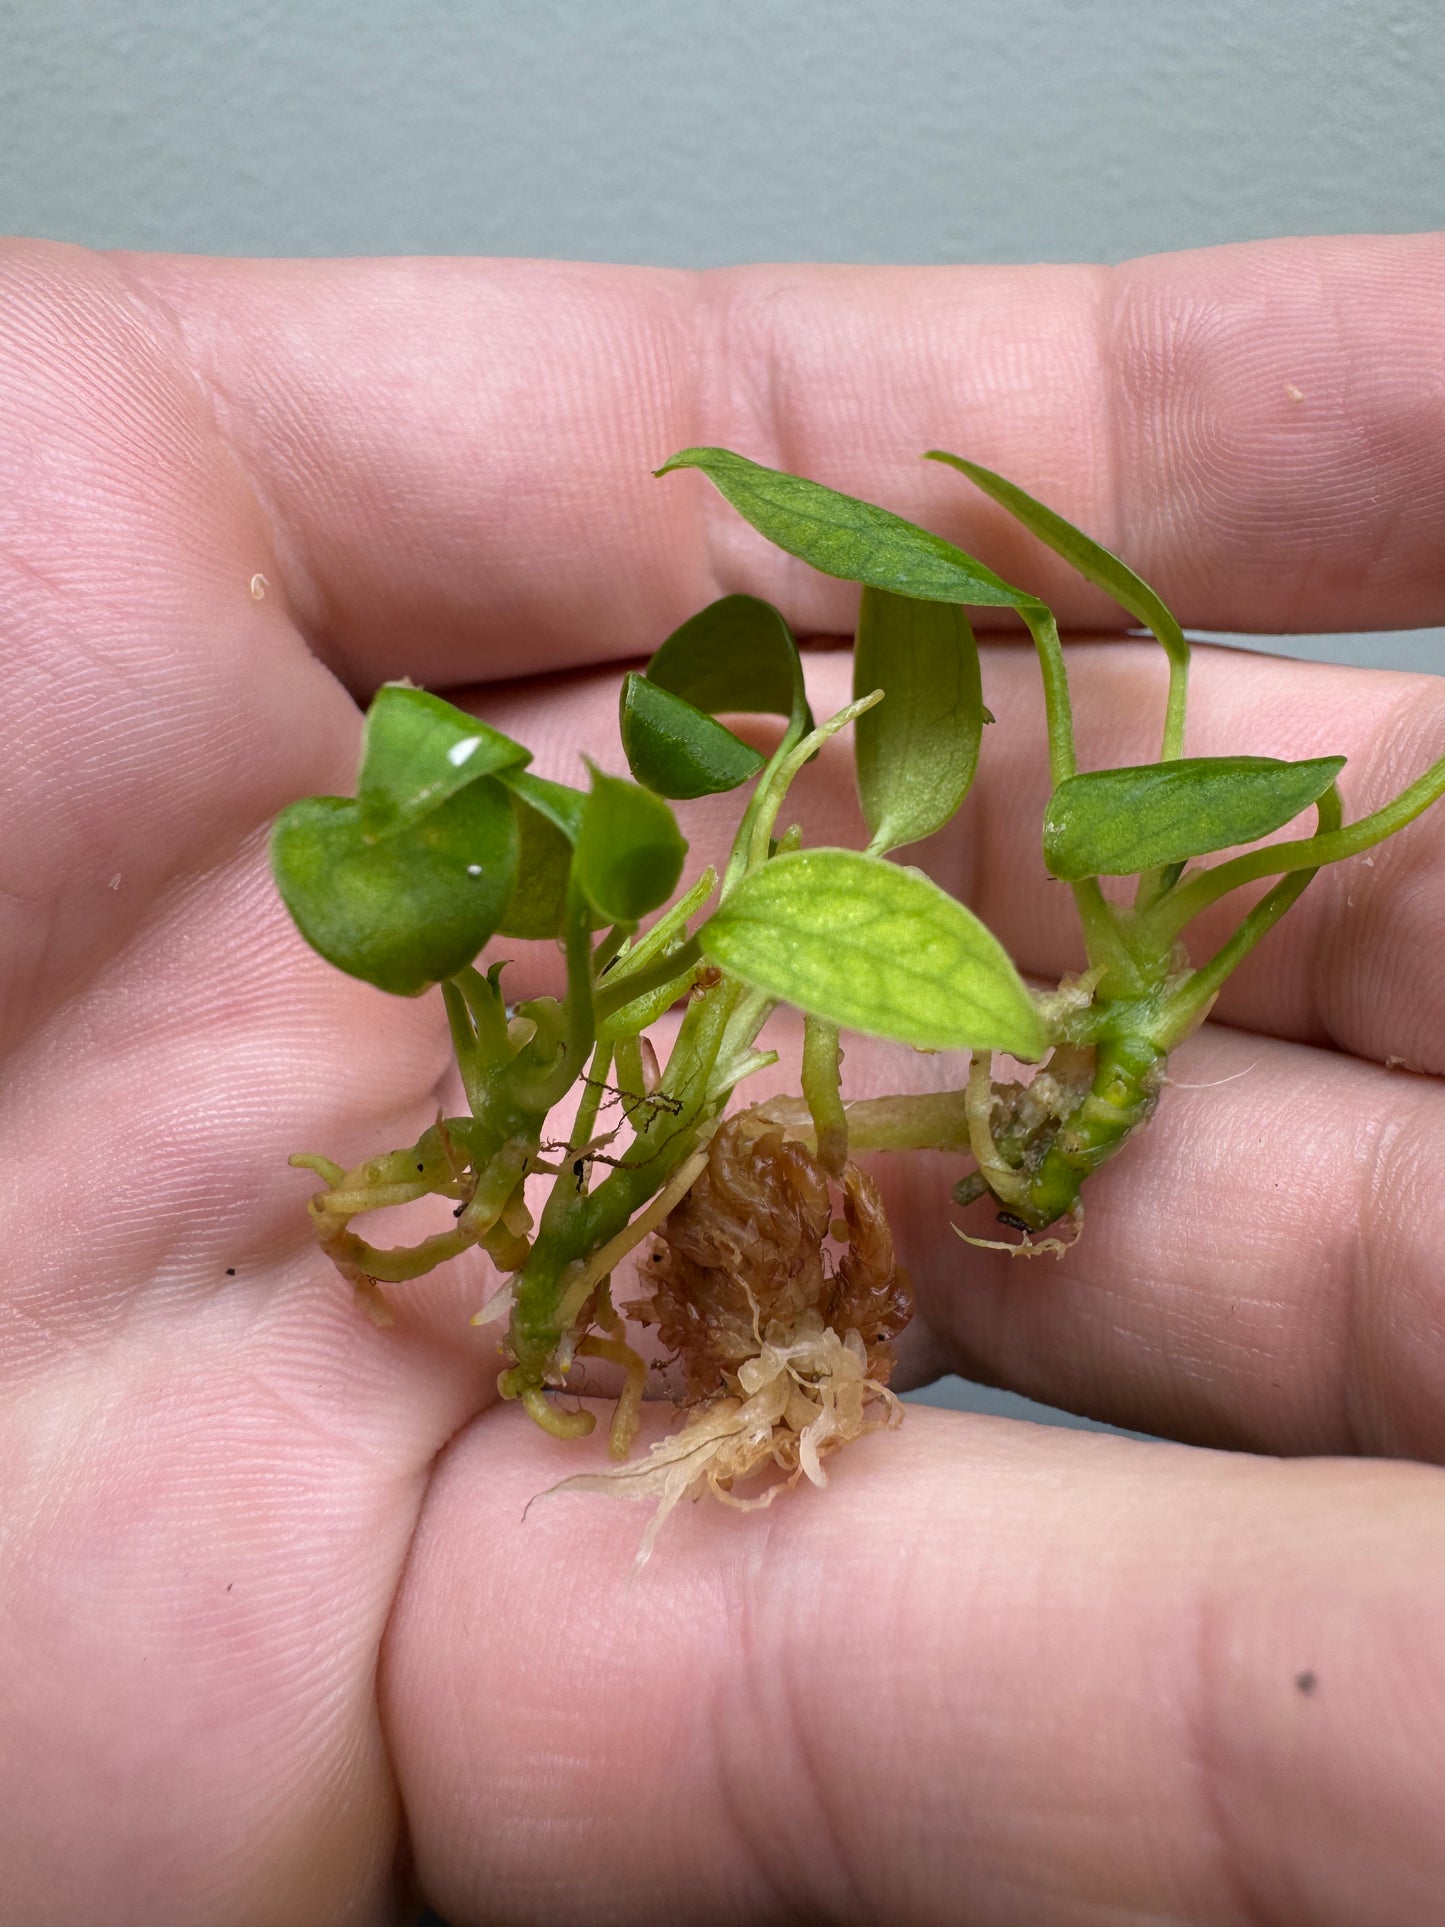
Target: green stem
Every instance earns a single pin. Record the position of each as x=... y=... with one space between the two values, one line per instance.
x=1306 y=853
x=668 y=926
x=608 y=947
x=821 y=1088
x=478 y=1025
x=1057 y=706
x=540 y=1094
x=1117 y=946
x=1123 y=1093
x=1007 y=1185
x=1178 y=651
x=921 y=1121
x=591 y=1100
x=617 y=995
x=1189 y=1005
x=574 y=1226
x=739 y=857
x=774 y=786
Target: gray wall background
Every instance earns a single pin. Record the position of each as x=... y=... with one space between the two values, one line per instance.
x=690 y=133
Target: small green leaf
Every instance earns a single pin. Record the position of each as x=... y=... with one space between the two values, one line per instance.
x=677 y=749
x=417 y=751
x=877 y=948
x=558 y=802
x=844 y=537
x=1093 y=561
x=1120 y=822
x=402 y=911
x=630 y=851
x=918 y=749
x=736 y=657
x=1097 y=565
x=538 y=904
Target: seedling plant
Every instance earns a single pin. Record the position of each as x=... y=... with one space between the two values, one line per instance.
x=767 y=1265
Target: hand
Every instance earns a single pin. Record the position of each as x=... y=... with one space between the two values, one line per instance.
x=276 y=1633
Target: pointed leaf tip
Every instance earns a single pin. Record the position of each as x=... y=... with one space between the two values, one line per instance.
x=1121 y=822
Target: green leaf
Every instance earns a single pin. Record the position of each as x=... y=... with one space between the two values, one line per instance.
x=1090 y=558
x=1119 y=822
x=537 y=907
x=630 y=850
x=417 y=751
x=406 y=910
x=677 y=749
x=558 y=802
x=877 y=948
x=844 y=537
x=1097 y=565
x=918 y=749
x=736 y=657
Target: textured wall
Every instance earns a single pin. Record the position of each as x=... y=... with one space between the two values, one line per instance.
x=686 y=132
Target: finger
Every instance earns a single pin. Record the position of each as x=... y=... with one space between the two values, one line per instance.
x=163 y=705
x=457 y=454
x=993 y=1674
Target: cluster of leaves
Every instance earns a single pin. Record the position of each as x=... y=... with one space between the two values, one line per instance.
x=451 y=841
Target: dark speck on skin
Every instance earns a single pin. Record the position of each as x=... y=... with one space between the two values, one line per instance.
x=230 y=1271
x=1306 y=1683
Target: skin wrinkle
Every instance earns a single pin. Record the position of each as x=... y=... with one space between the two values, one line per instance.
x=736 y=1744
x=1381 y=1403
x=1408 y=737
x=779 y=1685
x=1358 y=1420
x=1199 y=1746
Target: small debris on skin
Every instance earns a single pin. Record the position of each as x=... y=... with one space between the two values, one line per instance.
x=1306 y=1683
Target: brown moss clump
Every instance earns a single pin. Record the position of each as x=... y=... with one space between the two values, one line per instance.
x=776 y=1290
x=745 y=1255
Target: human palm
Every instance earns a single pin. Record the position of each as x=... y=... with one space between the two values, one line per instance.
x=279 y=1646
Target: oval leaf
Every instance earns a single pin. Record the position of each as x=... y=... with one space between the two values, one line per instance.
x=417 y=751
x=401 y=911
x=736 y=657
x=630 y=851
x=1093 y=561
x=877 y=948
x=677 y=749
x=1120 y=822
x=917 y=750
x=558 y=802
x=538 y=904
x=844 y=537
